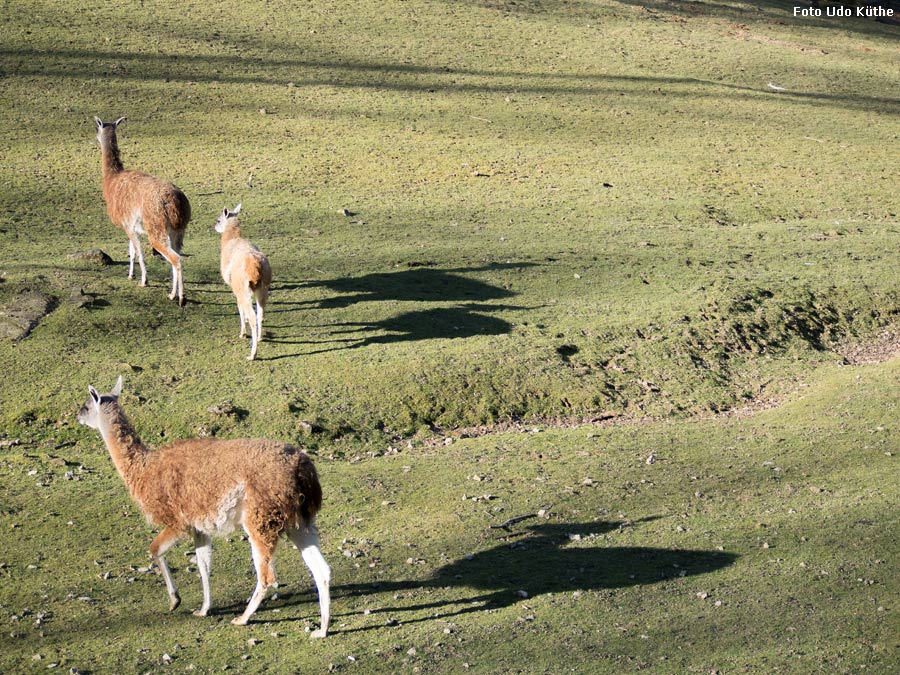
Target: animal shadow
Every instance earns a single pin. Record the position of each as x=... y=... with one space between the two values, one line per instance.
x=546 y=558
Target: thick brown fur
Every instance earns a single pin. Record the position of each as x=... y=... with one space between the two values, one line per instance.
x=136 y=201
x=180 y=484
x=205 y=487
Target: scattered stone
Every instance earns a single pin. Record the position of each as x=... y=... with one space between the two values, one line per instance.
x=252 y=642
x=94 y=256
x=10 y=442
x=226 y=409
x=79 y=298
x=651 y=458
x=167 y=659
x=411 y=651
x=521 y=594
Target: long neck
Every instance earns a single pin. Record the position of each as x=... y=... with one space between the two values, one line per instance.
x=232 y=231
x=128 y=452
x=112 y=162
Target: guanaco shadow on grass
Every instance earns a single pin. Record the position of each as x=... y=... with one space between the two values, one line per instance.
x=428 y=324
x=424 y=284
x=545 y=558
x=470 y=317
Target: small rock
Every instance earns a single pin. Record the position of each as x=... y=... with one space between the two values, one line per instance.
x=252 y=642
x=79 y=298
x=94 y=256
x=227 y=409
x=522 y=594
x=651 y=458
x=411 y=651
x=166 y=659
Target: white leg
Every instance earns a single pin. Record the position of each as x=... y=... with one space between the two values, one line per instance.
x=254 y=332
x=162 y=543
x=250 y=317
x=261 y=563
x=130 y=259
x=203 y=546
x=259 y=318
x=177 y=279
x=180 y=284
x=307 y=541
x=241 y=313
x=140 y=257
x=174 y=283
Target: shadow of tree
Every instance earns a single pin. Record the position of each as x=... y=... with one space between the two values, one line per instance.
x=345 y=73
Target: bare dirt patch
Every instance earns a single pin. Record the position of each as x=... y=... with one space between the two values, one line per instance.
x=883 y=347
x=23 y=312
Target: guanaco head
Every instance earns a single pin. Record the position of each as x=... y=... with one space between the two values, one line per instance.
x=90 y=412
x=226 y=218
x=107 y=129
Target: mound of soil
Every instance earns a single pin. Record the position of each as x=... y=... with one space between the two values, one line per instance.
x=19 y=316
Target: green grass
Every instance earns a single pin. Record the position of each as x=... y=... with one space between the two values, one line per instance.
x=563 y=211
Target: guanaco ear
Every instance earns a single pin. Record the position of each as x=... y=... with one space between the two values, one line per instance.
x=225 y=212
x=118 y=388
x=95 y=395
x=119 y=121
x=237 y=210
x=98 y=121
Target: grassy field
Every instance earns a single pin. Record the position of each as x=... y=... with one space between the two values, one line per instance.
x=642 y=213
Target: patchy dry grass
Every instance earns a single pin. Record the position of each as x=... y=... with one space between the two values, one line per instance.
x=558 y=211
